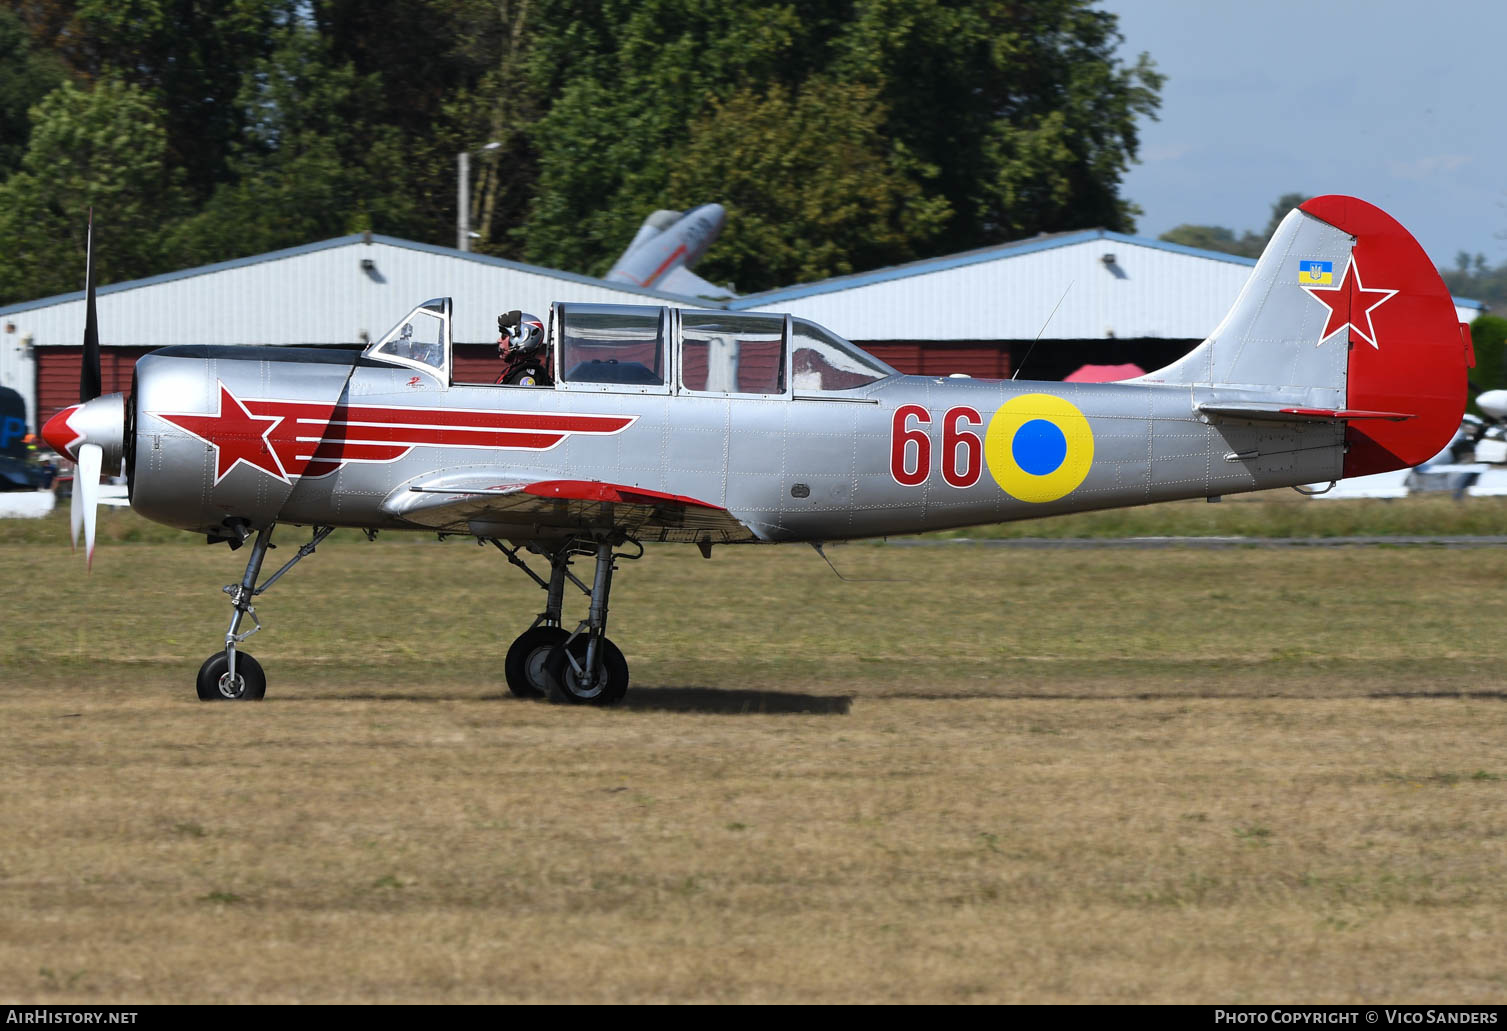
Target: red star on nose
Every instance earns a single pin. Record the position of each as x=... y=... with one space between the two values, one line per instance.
x=1350 y=304
x=235 y=434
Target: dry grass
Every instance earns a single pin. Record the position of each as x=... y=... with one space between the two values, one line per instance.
x=1055 y=776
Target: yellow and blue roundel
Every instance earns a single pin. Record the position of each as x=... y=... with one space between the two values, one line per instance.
x=1039 y=447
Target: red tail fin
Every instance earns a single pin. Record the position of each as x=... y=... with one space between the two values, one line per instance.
x=1406 y=353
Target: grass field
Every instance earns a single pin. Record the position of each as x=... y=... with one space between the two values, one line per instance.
x=1066 y=775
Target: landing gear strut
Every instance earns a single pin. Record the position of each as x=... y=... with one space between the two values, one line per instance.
x=233 y=675
x=584 y=667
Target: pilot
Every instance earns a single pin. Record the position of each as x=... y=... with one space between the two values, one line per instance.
x=521 y=348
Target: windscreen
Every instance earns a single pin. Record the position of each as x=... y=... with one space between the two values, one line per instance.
x=419 y=337
x=822 y=360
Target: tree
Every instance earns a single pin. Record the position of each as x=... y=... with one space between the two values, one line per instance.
x=1010 y=118
x=188 y=56
x=27 y=74
x=104 y=147
x=857 y=208
x=309 y=164
x=1022 y=106
x=1220 y=238
x=1472 y=277
x=1488 y=337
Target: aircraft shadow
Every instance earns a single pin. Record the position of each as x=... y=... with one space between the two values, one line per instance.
x=1174 y=696
x=662 y=699
x=723 y=701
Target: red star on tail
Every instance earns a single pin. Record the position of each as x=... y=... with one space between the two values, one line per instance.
x=1350 y=304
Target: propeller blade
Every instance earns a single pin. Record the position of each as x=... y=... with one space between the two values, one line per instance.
x=76 y=506
x=86 y=493
x=90 y=378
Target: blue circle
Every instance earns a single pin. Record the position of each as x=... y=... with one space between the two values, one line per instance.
x=1038 y=447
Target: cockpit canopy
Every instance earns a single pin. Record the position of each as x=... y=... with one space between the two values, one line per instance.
x=655 y=350
x=634 y=348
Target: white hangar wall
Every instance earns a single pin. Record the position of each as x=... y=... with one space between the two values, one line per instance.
x=319 y=294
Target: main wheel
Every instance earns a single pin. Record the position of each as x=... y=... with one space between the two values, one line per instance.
x=524 y=666
x=214 y=679
x=607 y=688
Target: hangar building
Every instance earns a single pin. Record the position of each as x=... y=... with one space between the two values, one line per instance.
x=1092 y=296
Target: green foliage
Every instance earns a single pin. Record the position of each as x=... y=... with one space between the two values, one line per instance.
x=842 y=134
x=1473 y=278
x=104 y=147
x=309 y=165
x=1023 y=107
x=1216 y=238
x=189 y=57
x=1488 y=337
x=975 y=123
x=1221 y=238
x=27 y=74
x=858 y=207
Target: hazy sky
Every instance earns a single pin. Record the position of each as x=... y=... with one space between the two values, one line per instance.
x=1403 y=104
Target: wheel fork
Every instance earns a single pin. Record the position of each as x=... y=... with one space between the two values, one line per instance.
x=241 y=594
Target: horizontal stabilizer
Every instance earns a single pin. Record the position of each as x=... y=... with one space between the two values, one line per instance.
x=1276 y=411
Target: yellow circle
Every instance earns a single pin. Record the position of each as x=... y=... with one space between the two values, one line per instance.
x=999 y=447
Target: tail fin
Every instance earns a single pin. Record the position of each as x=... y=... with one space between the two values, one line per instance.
x=1345 y=313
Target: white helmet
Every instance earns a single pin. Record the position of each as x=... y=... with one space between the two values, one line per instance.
x=529 y=333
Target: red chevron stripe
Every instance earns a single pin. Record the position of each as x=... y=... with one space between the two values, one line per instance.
x=289 y=439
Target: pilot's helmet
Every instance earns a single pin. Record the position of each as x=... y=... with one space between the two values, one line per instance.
x=530 y=332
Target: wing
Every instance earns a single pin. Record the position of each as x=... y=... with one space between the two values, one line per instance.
x=492 y=503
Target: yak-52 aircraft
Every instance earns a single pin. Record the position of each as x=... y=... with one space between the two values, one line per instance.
x=1342 y=356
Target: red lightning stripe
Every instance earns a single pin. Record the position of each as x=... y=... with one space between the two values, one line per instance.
x=311 y=438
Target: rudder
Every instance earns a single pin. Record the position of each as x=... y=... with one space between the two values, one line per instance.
x=1407 y=351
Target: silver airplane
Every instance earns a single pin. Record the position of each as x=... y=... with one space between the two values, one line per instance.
x=1342 y=356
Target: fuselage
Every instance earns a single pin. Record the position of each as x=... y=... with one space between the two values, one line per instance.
x=902 y=454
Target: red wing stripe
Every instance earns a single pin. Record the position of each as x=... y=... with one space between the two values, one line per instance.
x=593 y=490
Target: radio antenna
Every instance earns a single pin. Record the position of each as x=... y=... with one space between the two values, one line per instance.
x=1042 y=330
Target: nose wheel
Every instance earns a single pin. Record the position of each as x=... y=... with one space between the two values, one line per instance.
x=232 y=675
x=216 y=684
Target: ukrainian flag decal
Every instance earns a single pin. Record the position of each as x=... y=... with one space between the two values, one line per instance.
x=1039 y=447
x=1315 y=273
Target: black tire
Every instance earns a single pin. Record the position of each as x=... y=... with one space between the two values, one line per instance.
x=524 y=665
x=251 y=682
x=612 y=674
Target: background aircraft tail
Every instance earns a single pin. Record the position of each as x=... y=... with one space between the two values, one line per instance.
x=1343 y=314
x=665 y=247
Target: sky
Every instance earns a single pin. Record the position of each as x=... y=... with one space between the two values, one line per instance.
x=1403 y=104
